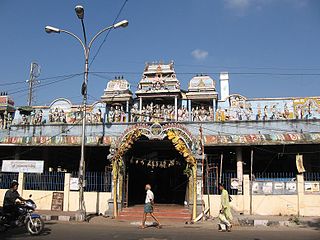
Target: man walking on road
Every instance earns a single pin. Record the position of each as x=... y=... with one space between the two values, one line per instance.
x=148 y=207
x=225 y=215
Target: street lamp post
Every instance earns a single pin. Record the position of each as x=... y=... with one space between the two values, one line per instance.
x=86 y=48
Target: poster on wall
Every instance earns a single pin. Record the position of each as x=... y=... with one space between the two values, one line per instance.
x=74 y=184
x=312 y=187
x=234 y=183
x=279 y=186
x=255 y=188
x=291 y=187
x=267 y=188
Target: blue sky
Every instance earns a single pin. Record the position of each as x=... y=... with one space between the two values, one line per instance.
x=278 y=40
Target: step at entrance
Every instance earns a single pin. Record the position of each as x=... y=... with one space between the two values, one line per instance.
x=163 y=212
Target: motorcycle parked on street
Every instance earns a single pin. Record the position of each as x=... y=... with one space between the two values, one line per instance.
x=33 y=222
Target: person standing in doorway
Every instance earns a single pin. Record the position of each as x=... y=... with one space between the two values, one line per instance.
x=225 y=215
x=148 y=207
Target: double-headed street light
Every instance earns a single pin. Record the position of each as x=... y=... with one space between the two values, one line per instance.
x=86 y=48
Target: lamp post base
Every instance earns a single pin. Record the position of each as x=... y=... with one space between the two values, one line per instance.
x=80 y=216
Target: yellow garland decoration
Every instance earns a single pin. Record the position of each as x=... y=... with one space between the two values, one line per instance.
x=181 y=147
x=126 y=145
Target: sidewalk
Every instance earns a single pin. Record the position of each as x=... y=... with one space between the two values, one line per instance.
x=239 y=220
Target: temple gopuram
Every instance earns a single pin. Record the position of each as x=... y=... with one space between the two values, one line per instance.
x=173 y=138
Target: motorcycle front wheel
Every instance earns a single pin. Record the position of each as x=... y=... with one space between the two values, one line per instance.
x=3 y=226
x=35 y=226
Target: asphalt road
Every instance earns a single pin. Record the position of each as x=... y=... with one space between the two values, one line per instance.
x=116 y=230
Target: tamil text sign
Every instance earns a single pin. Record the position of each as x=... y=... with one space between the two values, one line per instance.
x=24 y=166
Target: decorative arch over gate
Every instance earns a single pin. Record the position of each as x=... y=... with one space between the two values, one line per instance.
x=180 y=137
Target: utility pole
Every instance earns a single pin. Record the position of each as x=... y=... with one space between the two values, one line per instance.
x=251 y=179
x=34 y=73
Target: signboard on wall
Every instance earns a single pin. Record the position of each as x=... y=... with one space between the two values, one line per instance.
x=57 y=201
x=23 y=166
x=74 y=184
x=291 y=187
x=274 y=188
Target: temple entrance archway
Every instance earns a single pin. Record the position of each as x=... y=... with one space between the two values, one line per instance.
x=158 y=163
x=179 y=138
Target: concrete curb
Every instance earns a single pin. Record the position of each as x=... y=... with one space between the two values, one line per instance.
x=245 y=222
x=61 y=218
x=241 y=222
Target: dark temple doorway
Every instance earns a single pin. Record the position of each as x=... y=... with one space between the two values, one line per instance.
x=158 y=163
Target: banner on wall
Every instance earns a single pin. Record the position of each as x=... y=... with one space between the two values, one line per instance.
x=23 y=166
x=299 y=163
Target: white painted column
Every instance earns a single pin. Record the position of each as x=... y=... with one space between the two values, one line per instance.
x=140 y=109
x=239 y=168
x=214 y=109
x=66 y=192
x=127 y=111
x=239 y=164
x=21 y=183
x=176 y=108
x=189 y=110
x=300 y=195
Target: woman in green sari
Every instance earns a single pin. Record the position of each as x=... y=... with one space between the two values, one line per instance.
x=225 y=215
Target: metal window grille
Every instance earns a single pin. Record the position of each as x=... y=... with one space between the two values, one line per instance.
x=274 y=176
x=213 y=180
x=97 y=181
x=48 y=181
x=6 y=179
x=312 y=176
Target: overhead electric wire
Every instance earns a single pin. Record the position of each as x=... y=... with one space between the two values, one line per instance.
x=38 y=79
x=12 y=83
x=217 y=73
x=46 y=84
x=108 y=32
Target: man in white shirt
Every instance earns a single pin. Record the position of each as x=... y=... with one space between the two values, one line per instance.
x=148 y=207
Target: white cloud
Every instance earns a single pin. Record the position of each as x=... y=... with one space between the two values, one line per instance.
x=239 y=5
x=242 y=6
x=300 y=3
x=199 y=54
